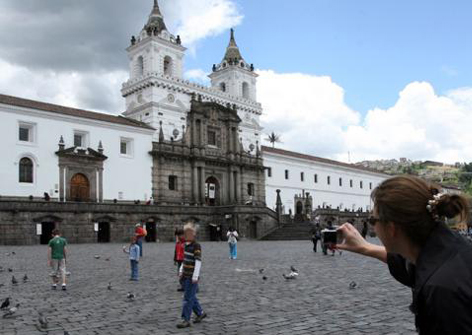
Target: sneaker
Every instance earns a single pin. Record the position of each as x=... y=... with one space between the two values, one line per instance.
x=183 y=324
x=64 y=288
x=199 y=318
x=54 y=287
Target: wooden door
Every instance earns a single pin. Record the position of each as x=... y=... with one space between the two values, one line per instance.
x=79 y=188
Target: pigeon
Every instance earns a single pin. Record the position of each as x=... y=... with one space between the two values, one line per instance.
x=13 y=253
x=107 y=259
x=264 y=278
x=352 y=285
x=43 y=321
x=7 y=254
x=14 y=281
x=25 y=278
x=131 y=296
x=291 y=275
x=109 y=286
x=10 y=270
x=5 y=303
x=261 y=271
x=96 y=257
x=66 y=332
x=11 y=311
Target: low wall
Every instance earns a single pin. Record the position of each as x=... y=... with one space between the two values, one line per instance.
x=19 y=220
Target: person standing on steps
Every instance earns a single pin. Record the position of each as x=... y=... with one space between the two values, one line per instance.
x=316 y=237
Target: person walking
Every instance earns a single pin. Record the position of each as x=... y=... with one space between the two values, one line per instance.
x=57 y=253
x=190 y=274
x=133 y=251
x=365 y=229
x=316 y=236
x=421 y=251
x=232 y=236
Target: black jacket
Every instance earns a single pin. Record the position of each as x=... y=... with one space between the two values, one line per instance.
x=441 y=282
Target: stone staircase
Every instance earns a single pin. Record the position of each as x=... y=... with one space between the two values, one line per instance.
x=291 y=232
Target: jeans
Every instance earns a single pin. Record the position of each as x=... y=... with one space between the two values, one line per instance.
x=134 y=269
x=190 y=300
x=139 y=242
x=233 y=250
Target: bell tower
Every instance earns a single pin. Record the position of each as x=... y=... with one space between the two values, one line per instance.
x=154 y=54
x=233 y=75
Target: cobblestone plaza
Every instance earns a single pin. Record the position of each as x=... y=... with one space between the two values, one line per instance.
x=233 y=293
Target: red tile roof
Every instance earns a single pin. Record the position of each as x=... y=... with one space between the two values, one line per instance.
x=317 y=159
x=117 y=119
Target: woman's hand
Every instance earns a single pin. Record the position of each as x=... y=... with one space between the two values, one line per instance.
x=352 y=239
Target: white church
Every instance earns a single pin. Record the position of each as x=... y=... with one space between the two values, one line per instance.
x=72 y=154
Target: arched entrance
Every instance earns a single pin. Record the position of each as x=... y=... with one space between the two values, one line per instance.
x=103 y=235
x=299 y=208
x=212 y=191
x=79 y=188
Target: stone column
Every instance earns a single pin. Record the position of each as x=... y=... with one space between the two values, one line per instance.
x=202 y=185
x=231 y=186
x=238 y=187
x=100 y=190
x=195 y=192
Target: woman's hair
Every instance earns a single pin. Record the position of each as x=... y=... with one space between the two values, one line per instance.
x=404 y=201
x=190 y=226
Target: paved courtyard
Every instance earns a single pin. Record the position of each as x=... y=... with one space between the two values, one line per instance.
x=233 y=293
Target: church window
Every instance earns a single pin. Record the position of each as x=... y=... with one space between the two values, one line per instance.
x=269 y=172
x=250 y=189
x=223 y=87
x=287 y=174
x=80 y=139
x=340 y=182
x=140 y=66
x=351 y=183
x=328 y=180
x=212 y=138
x=361 y=184
x=173 y=183
x=302 y=176
x=126 y=147
x=26 y=170
x=316 y=179
x=26 y=132
x=370 y=186
x=245 y=89
x=167 y=66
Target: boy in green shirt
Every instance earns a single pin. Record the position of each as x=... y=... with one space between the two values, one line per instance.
x=57 y=258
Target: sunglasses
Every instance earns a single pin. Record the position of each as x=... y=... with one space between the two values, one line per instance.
x=372 y=220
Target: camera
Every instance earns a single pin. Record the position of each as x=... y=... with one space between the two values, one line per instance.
x=330 y=236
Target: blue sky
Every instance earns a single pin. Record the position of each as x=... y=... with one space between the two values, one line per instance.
x=373 y=49
x=378 y=79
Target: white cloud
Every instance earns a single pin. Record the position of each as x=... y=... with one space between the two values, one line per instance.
x=197 y=75
x=195 y=20
x=97 y=91
x=312 y=116
x=421 y=125
x=309 y=111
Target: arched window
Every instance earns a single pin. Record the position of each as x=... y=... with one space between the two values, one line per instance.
x=26 y=170
x=140 y=66
x=245 y=90
x=223 y=87
x=167 y=66
x=250 y=189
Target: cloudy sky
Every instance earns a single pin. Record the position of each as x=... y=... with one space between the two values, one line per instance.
x=378 y=79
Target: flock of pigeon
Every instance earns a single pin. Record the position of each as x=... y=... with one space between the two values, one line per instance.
x=9 y=311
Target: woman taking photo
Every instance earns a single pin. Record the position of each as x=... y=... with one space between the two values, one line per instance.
x=421 y=251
